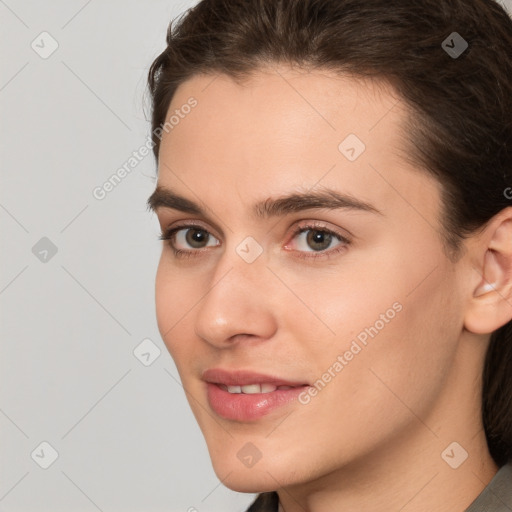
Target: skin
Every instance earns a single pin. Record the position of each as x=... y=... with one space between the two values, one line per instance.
x=372 y=438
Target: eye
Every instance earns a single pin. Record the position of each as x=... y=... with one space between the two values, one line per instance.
x=314 y=240
x=196 y=237
x=190 y=235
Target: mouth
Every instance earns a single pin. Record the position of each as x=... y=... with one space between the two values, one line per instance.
x=248 y=381
x=247 y=395
x=251 y=389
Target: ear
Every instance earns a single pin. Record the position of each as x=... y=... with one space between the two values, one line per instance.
x=490 y=304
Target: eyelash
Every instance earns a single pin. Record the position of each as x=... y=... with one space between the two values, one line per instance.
x=169 y=235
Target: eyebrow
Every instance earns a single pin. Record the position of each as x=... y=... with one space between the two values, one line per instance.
x=330 y=199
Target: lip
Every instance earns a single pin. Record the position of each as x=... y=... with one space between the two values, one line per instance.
x=248 y=407
x=245 y=377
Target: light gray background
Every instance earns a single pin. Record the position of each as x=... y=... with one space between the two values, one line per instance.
x=125 y=436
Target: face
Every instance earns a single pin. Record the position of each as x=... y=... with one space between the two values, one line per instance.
x=353 y=303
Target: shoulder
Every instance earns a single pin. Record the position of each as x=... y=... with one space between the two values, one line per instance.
x=265 y=502
x=497 y=495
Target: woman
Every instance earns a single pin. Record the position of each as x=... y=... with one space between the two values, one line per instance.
x=335 y=285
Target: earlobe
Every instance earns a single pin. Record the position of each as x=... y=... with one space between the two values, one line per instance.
x=490 y=304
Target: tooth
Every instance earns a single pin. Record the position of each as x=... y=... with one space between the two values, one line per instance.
x=234 y=389
x=267 y=388
x=251 y=388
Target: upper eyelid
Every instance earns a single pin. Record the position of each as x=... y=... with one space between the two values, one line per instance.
x=301 y=229
x=189 y=225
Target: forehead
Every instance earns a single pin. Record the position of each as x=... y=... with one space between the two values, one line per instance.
x=280 y=103
x=286 y=127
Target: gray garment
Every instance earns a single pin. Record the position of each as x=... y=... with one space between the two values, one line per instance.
x=496 y=497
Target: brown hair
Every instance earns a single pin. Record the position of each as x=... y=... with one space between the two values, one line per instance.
x=461 y=127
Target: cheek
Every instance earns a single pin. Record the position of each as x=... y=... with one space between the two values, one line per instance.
x=172 y=302
x=404 y=364
x=385 y=383
x=395 y=326
x=165 y=300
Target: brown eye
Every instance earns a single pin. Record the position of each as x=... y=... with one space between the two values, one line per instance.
x=188 y=238
x=314 y=241
x=318 y=240
x=195 y=237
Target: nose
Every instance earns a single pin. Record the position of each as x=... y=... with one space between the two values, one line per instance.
x=238 y=304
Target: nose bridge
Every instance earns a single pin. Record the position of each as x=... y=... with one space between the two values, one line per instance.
x=237 y=301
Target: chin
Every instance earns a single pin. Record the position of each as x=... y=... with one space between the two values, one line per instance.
x=249 y=481
x=266 y=475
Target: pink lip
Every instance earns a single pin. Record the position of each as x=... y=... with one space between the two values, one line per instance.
x=242 y=378
x=247 y=407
